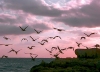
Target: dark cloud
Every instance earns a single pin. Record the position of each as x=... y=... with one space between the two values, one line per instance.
x=36 y=7
x=86 y=16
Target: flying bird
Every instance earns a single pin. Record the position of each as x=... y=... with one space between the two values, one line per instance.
x=54 y=48
x=17 y=51
x=4 y=56
x=71 y=48
x=6 y=44
x=31 y=47
x=78 y=44
x=24 y=39
x=23 y=29
x=93 y=33
x=33 y=38
x=59 y=29
x=38 y=32
x=6 y=38
x=45 y=40
x=56 y=55
x=83 y=38
x=33 y=58
x=60 y=50
x=89 y=34
x=50 y=38
x=12 y=50
x=57 y=36
x=41 y=43
x=49 y=50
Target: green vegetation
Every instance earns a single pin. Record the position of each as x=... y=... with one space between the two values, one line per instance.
x=68 y=65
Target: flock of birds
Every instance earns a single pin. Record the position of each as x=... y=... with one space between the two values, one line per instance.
x=46 y=41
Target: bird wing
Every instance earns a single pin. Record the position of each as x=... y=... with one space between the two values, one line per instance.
x=36 y=30
x=25 y=27
x=54 y=28
x=92 y=33
x=47 y=49
x=21 y=28
x=31 y=37
x=86 y=34
x=32 y=46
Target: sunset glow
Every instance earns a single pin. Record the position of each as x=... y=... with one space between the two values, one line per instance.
x=76 y=17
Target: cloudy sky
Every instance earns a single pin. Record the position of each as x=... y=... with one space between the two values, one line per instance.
x=75 y=16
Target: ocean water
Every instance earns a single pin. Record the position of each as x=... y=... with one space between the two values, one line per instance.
x=20 y=64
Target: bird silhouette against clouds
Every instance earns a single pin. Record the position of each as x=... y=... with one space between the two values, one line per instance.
x=56 y=37
x=71 y=48
x=38 y=32
x=23 y=29
x=24 y=39
x=33 y=38
x=89 y=34
x=41 y=43
x=6 y=38
x=30 y=47
x=50 y=51
x=6 y=44
x=83 y=38
x=78 y=44
x=12 y=50
x=59 y=29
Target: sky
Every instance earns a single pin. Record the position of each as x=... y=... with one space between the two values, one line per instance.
x=76 y=17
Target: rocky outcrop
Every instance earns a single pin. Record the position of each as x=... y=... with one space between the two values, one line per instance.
x=68 y=65
x=88 y=53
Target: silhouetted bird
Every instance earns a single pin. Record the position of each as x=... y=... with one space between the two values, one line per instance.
x=93 y=33
x=60 y=50
x=63 y=49
x=57 y=36
x=78 y=44
x=33 y=38
x=71 y=48
x=49 y=50
x=56 y=55
x=41 y=43
x=31 y=47
x=89 y=34
x=54 y=48
x=17 y=51
x=24 y=39
x=6 y=44
x=83 y=37
x=23 y=29
x=50 y=38
x=45 y=40
x=59 y=29
x=12 y=50
x=6 y=38
x=33 y=58
x=38 y=32
x=4 y=56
